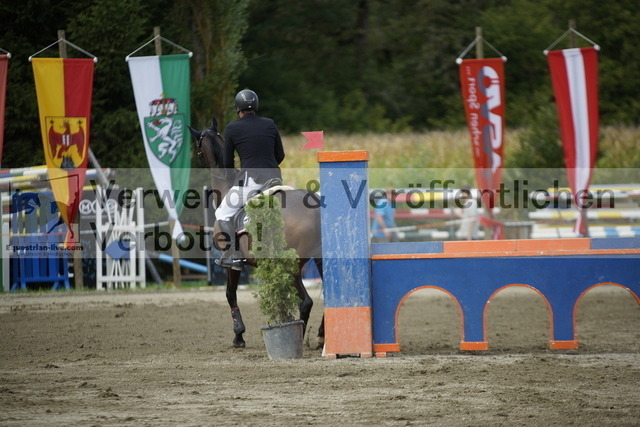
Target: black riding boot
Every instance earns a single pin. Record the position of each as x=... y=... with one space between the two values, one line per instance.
x=232 y=257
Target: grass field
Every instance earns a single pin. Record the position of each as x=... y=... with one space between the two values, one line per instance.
x=443 y=150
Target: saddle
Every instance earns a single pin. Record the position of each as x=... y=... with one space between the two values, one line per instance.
x=240 y=219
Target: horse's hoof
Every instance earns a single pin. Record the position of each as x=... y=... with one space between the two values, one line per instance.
x=239 y=344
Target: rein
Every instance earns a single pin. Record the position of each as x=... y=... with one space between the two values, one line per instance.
x=202 y=156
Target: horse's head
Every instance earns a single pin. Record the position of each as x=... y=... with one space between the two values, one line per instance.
x=209 y=145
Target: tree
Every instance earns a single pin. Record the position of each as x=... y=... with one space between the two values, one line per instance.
x=23 y=143
x=303 y=59
x=311 y=58
x=115 y=132
x=214 y=31
x=522 y=30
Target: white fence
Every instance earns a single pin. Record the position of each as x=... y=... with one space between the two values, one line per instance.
x=120 y=249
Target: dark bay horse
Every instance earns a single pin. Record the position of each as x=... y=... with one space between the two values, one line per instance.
x=301 y=216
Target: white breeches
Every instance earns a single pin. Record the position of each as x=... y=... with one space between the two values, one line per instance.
x=235 y=199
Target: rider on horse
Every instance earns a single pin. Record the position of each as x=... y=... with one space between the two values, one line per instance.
x=257 y=141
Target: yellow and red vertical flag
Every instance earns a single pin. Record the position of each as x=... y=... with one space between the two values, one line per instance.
x=64 y=87
x=4 y=66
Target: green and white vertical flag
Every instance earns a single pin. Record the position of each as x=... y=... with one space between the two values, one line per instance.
x=161 y=86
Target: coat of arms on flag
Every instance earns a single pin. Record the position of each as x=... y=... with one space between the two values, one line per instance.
x=67 y=142
x=164 y=129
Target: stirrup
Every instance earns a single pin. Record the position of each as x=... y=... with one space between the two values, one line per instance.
x=230 y=262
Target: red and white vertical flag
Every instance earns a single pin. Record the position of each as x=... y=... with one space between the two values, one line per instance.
x=574 y=76
x=4 y=65
x=483 y=94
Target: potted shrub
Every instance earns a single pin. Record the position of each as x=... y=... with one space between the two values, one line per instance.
x=276 y=268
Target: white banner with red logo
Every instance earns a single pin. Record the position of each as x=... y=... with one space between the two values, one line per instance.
x=483 y=89
x=574 y=76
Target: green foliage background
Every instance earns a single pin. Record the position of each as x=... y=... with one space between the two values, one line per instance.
x=336 y=65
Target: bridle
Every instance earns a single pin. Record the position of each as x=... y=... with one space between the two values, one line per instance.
x=201 y=156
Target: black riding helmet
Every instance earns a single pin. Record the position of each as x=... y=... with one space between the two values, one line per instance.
x=246 y=100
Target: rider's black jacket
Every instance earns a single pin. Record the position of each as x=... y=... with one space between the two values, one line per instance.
x=257 y=141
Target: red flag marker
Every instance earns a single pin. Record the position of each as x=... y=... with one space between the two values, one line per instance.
x=314 y=139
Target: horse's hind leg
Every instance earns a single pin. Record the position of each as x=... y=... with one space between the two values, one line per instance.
x=306 y=302
x=233 y=278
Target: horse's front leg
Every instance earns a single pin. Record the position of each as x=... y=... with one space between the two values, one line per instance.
x=233 y=277
x=318 y=262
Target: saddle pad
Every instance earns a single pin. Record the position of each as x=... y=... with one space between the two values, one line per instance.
x=275 y=189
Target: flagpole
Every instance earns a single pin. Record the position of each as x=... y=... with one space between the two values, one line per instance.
x=480 y=55
x=62 y=47
x=582 y=221
x=572 y=34
x=78 y=278
x=479 y=44
x=157 y=40
x=175 y=253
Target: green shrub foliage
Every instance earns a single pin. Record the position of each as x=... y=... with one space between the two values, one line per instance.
x=276 y=266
